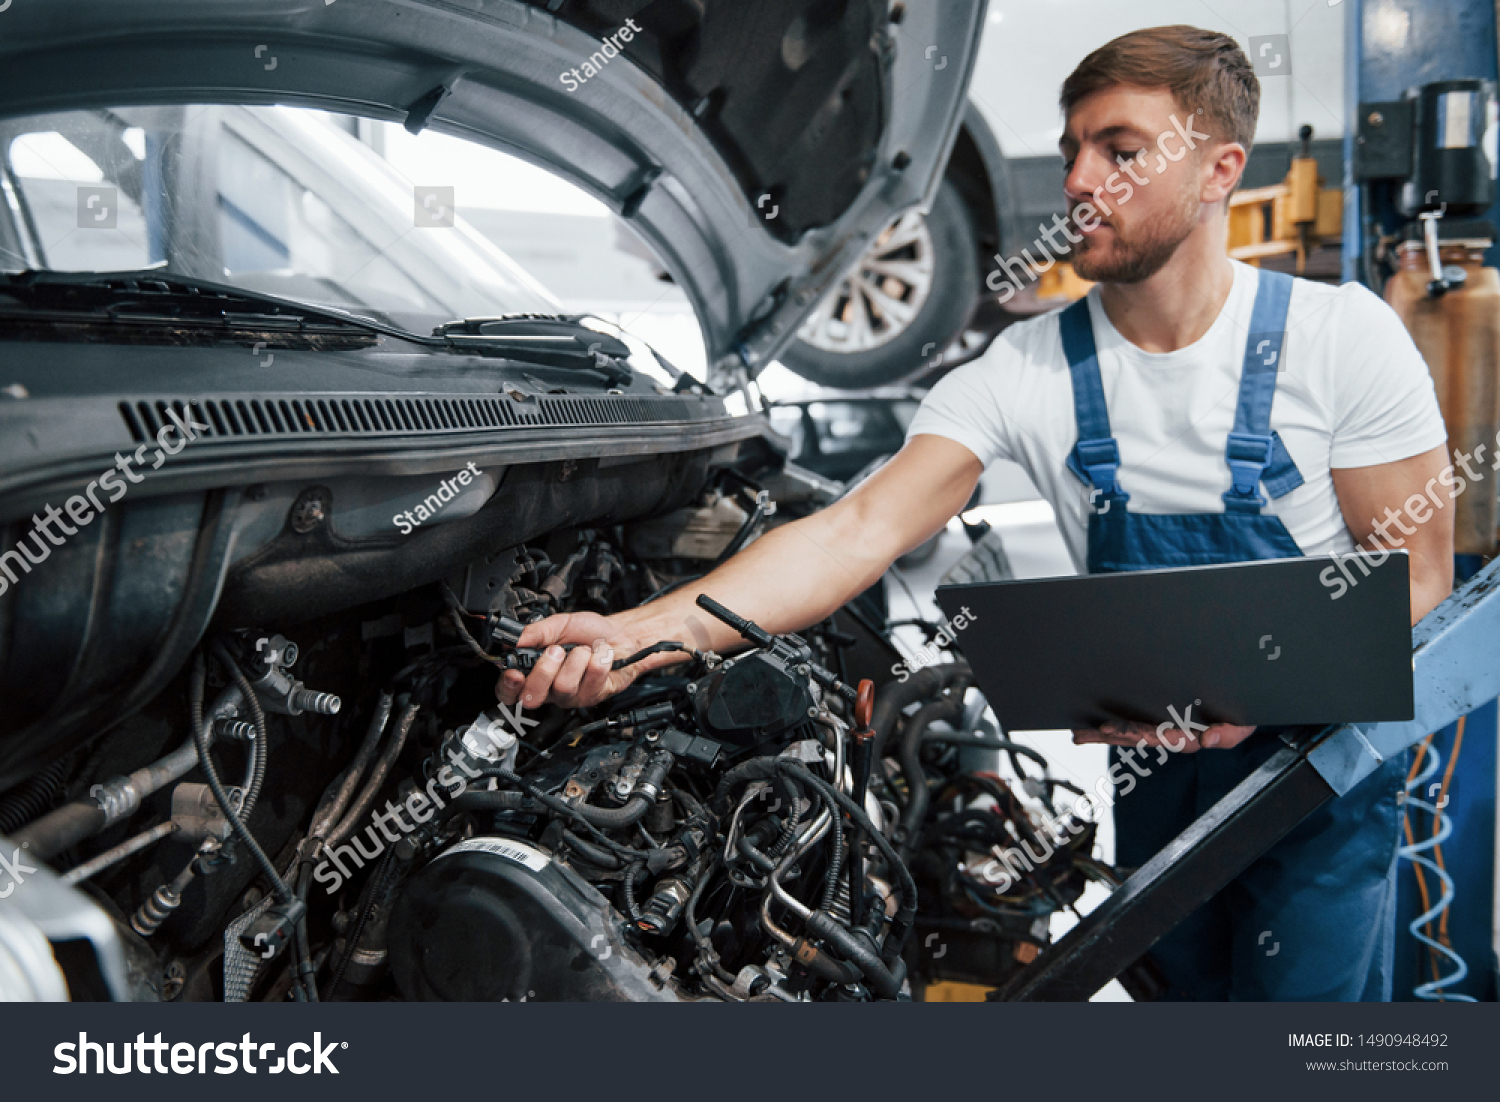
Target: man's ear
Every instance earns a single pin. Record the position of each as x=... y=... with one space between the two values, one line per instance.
x=1223 y=166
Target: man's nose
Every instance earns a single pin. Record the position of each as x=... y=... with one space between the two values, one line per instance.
x=1087 y=176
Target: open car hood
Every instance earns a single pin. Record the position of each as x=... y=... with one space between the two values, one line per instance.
x=757 y=146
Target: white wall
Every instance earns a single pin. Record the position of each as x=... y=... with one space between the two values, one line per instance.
x=1030 y=46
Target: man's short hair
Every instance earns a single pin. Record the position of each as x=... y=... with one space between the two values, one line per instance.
x=1202 y=69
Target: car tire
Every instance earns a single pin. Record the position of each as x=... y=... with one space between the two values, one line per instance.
x=832 y=353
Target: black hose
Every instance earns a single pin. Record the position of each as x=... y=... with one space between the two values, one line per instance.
x=481 y=802
x=706 y=948
x=665 y=646
x=956 y=739
x=231 y=814
x=627 y=887
x=351 y=944
x=877 y=974
x=32 y=796
x=754 y=769
x=672 y=587
x=761 y=860
x=895 y=698
x=257 y=777
x=635 y=808
x=827 y=965
x=910 y=751
x=305 y=978
x=791 y=796
x=366 y=798
x=335 y=801
x=757 y=769
x=560 y=807
x=757 y=514
x=596 y=855
x=614 y=818
x=836 y=863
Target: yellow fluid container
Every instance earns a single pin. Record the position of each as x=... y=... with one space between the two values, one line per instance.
x=1458 y=335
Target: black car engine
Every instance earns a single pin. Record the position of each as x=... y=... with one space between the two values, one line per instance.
x=344 y=812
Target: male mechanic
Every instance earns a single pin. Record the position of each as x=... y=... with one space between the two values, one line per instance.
x=1144 y=414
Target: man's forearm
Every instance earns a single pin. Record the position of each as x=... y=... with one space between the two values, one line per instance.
x=1431 y=582
x=793 y=576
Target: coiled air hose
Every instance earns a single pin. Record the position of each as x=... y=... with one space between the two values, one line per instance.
x=1414 y=852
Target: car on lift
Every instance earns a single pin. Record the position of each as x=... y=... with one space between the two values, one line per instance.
x=916 y=302
x=905 y=306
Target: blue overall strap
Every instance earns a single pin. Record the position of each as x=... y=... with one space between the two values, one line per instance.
x=1095 y=459
x=1256 y=454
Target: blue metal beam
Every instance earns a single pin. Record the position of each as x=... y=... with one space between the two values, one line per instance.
x=1456 y=669
x=1353 y=242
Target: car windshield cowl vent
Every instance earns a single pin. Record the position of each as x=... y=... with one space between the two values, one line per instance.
x=312 y=415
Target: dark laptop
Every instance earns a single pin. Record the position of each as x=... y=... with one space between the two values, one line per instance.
x=1283 y=641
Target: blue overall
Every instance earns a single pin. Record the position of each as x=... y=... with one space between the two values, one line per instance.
x=1313 y=917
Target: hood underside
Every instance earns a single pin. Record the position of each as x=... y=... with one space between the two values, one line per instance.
x=757 y=147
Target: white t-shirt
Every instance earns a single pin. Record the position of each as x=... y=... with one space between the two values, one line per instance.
x=1353 y=392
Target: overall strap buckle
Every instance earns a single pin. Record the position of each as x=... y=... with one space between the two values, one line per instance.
x=1248 y=456
x=1098 y=463
x=1253 y=448
x=1095 y=459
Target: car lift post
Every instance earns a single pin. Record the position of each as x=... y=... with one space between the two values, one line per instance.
x=1456 y=668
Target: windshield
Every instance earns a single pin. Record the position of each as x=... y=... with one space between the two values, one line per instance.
x=277 y=200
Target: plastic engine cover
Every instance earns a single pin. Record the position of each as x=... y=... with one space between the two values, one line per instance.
x=493 y=919
x=751 y=698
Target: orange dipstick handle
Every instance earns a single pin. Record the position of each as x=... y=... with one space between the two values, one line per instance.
x=864 y=709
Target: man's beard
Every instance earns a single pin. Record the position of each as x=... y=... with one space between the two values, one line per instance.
x=1133 y=260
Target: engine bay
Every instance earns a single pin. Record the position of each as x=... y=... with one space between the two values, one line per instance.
x=340 y=810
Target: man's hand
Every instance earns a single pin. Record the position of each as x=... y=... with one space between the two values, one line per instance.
x=1219 y=736
x=581 y=677
x=795 y=575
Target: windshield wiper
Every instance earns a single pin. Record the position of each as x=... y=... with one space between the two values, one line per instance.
x=155 y=297
x=549 y=339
